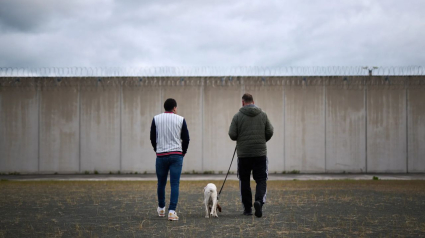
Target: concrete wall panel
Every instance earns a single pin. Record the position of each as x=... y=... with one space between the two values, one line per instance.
x=59 y=130
x=100 y=128
x=304 y=128
x=139 y=105
x=19 y=130
x=270 y=99
x=322 y=124
x=416 y=130
x=222 y=100
x=188 y=95
x=386 y=130
x=345 y=130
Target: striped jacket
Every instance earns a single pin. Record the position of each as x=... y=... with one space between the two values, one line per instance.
x=169 y=134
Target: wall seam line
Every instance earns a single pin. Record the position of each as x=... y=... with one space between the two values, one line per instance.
x=202 y=123
x=407 y=129
x=325 y=107
x=365 y=103
x=79 y=127
x=121 y=94
x=39 y=112
x=284 y=127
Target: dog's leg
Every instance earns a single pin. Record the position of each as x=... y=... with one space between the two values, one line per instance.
x=215 y=209
x=214 y=206
x=207 y=212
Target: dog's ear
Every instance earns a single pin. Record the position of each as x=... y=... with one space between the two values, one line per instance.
x=218 y=207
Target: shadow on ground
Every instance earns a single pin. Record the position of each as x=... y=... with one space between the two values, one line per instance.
x=293 y=209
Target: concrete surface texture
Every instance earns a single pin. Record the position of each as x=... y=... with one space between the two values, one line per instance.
x=345 y=130
x=322 y=124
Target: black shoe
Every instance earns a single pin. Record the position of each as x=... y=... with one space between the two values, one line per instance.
x=258 y=209
x=247 y=212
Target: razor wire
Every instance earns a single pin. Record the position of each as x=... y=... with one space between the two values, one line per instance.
x=210 y=71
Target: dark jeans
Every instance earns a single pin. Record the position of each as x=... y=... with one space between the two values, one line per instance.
x=172 y=163
x=259 y=168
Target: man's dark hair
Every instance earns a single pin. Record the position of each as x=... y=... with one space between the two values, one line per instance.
x=169 y=104
x=247 y=98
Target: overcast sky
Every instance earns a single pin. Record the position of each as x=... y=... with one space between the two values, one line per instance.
x=137 y=33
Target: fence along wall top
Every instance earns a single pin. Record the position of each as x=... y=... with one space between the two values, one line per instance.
x=209 y=71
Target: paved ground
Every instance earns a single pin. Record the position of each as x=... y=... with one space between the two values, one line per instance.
x=332 y=208
x=203 y=177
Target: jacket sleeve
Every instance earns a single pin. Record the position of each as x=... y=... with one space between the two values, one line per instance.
x=233 y=130
x=269 y=129
x=185 y=137
x=153 y=134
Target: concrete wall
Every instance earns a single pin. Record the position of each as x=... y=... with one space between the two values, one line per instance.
x=140 y=101
x=416 y=129
x=19 y=128
x=346 y=126
x=386 y=130
x=305 y=127
x=59 y=129
x=220 y=105
x=100 y=127
x=322 y=124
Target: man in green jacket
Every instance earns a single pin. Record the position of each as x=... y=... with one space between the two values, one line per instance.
x=251 y=129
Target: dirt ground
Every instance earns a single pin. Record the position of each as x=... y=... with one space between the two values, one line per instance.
x=293 y=209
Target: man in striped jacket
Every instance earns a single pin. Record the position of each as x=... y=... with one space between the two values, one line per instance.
x=170 y=140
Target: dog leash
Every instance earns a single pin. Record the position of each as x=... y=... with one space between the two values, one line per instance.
x=218 y=196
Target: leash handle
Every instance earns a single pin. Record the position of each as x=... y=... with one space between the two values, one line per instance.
x=227 y=173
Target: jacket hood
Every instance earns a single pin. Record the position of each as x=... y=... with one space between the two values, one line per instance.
x=250 y=110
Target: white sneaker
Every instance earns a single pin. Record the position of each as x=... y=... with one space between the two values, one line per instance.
x=161 y=211
x=172 y=216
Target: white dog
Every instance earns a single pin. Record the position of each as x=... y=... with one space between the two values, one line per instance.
x=210 y=200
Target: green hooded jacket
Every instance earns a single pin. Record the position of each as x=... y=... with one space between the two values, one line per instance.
x=251 y=129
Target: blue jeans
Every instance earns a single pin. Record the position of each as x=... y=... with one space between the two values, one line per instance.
x=172 y=163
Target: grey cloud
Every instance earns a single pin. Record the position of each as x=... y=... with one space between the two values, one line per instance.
x=134 y=33
x=35 y=15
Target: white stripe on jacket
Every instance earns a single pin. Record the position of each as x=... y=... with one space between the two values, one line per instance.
x=168 y=132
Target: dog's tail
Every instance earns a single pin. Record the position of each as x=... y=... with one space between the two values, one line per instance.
x=208 y=190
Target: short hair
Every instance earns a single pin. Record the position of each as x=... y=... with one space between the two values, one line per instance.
x=247 y=98
x=169 y=104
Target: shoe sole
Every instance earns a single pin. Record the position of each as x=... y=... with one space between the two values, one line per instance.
x=173 y=219
x=258 y=211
